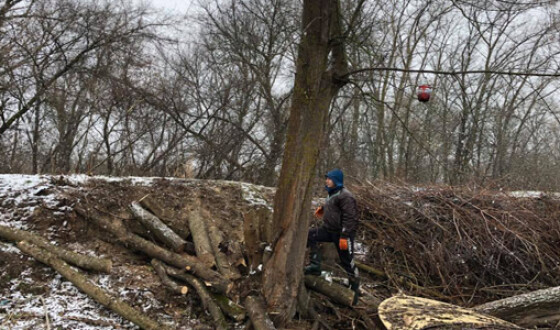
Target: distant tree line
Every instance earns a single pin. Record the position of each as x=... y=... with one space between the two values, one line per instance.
x=105 y=87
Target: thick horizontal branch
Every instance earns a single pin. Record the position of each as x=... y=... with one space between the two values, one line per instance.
x=76 y=259
x=457 y=73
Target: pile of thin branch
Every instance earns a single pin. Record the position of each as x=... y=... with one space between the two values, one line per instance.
x=466 y=246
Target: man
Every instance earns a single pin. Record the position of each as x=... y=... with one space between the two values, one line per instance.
x=340 y=221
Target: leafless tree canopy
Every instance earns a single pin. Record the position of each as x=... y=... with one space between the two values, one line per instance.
x=106 y=87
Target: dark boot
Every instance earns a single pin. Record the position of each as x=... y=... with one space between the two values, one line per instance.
x=314 y=267
x=355 y=286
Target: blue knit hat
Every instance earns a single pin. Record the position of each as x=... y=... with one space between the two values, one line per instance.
x=337 y=177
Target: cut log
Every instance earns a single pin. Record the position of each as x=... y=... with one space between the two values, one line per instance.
x=533 y=309
x=222 y=261
x=98 y=294
x=257 y=313
x=199 y=233
x=160 y=230
x=182 y=261
x=207 y=301
x=414 y=313
x=337 y=293
x=76 y=259
x=233 y=310
x=371 y=270
x=169 y=283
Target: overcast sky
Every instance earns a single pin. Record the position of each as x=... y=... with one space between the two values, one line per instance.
x=174 y=6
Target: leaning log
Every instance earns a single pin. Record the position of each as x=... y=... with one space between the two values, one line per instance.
x=76 y=259
x=207 y=301
x=182 y=261
x=199 y=234
x=222 y=261
x=169 y=283
x=534 y=309
x=336 y=293
x=156 y=226
x=98 y=294
x=257 y=313
x=229 y=307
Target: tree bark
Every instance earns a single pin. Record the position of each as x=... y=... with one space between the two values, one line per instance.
x=200 y=237
x=316 y=83
x=76 y=259
x=99 y=295
x=534 y=309
x=232 y=309
x=155 y=225
x=222 y=261
x=183 y=261
x=337 y=293
x=257 y=313
x=164 y=215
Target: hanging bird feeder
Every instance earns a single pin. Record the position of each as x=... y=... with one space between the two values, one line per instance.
x=424 y=93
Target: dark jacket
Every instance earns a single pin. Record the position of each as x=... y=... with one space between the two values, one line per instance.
x=341 y=213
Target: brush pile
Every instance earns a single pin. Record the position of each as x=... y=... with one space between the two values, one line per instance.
x=460 y=245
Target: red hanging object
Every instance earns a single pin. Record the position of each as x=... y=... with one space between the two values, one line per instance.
x=424 y=93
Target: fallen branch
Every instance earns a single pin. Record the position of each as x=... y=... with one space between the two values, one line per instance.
x=537 y=308
x=207 y=301
x=76 y=259
x=160 y=271
x=257 y=314
x=200 y=237
x=335 y=292
x=98 y=294
x=222 y=261
x=183 y=261
x=160 y=230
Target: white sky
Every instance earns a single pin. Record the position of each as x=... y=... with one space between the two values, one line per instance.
x=179 y=7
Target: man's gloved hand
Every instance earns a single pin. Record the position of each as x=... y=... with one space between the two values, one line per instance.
x=319 y=212
x=343 y=243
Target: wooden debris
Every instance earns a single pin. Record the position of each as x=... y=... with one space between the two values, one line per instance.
x=414 y=313
x=207 y=301
x=222 y=261
x=182 y=261
x=169 y=283
x=160 y=229
x=98 y=294
x=257 y=313
x=83 y=261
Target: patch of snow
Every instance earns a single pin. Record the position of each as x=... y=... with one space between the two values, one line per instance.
x=531 y=194
x=253 y=196
x=9 y=248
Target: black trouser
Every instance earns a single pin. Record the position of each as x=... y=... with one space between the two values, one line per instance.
x=321 y=234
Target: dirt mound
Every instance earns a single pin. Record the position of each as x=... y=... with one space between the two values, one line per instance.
x=31 y=292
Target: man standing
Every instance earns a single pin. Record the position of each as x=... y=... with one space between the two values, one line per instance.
x=340 y=221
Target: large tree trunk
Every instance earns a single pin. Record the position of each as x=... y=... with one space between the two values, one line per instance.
x=316 y=83
x=537 y=308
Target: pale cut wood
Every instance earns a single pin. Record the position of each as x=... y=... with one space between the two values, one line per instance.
x=257 y=313
x=156 y=226
x=98 y=294
x=76 y=259
x=183 y=261
x=337 y=293
x=537 y=308
x=199 y=233
x=415 y=313
x=169 y=283
x=207 y=301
